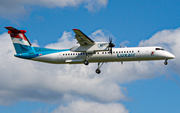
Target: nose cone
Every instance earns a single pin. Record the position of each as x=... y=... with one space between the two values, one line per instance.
x=170 y=56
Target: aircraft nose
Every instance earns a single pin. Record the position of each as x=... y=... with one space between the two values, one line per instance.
x=170 y=56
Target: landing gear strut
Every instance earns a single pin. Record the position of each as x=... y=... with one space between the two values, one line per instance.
x=98 y=71
x=165 y=63
x=88 y=55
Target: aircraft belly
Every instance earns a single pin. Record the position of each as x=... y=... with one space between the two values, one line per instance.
x=49 y=58
x=110 y=58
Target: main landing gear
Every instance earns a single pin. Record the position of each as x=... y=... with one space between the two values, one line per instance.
x=165 y=62
x=86 y=62
x=98 y=71
x=88 y=55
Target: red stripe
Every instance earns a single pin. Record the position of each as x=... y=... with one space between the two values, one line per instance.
x=18 y=35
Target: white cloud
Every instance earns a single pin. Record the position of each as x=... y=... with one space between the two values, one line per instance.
x=66 y=41
x=94 y=4
x=20 y=8
x=122 y=44
x=101 y=35
x=91 y=107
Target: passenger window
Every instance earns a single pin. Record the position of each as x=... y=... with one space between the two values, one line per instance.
x=124 y=51
x=132 y=51
x=127 y=51
x=113 y=52
x=121 y=51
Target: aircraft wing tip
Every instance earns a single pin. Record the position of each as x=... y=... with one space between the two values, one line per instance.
x=75 y=29
x=8 y=27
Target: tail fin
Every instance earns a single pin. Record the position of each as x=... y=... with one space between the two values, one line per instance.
x=20 y=41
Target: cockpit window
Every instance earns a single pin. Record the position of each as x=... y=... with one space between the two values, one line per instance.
x=162 y=49
x=159 y=49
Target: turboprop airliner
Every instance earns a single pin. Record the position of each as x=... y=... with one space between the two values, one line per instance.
x=85 y=51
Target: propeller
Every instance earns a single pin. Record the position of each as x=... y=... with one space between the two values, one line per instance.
x=110 y=45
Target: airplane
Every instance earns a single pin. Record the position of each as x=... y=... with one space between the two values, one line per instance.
x=85 y=51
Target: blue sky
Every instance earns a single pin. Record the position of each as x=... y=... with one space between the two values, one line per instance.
x=133 y=87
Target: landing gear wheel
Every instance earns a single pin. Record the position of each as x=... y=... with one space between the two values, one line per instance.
x=86 y=62
x=98 y=71
x=165 y=63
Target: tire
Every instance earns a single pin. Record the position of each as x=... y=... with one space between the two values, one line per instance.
x=86 y=62
x=98 y=71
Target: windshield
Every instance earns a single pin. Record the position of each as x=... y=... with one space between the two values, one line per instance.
x=160 y=49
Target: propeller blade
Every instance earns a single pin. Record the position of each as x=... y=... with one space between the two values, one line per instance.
x=110 y=45
x=110 y=40
x=110 y=50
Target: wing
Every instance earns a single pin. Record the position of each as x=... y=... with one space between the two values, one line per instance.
x=82 y=38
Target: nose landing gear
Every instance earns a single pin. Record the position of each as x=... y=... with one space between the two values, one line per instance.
x=165 y=62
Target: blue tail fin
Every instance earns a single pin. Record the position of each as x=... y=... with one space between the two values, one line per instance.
x=20 y=41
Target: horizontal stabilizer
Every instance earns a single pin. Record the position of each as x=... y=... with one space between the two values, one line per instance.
x=14 y=30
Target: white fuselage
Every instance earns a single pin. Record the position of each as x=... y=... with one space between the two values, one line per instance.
x=118 y=54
